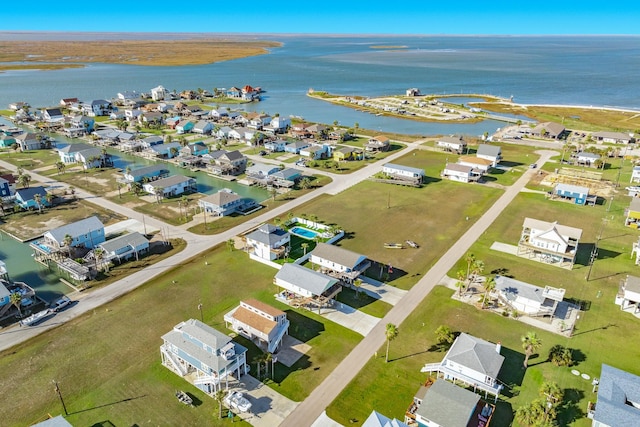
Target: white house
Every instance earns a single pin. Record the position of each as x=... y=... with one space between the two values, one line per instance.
x=461 y=173
x=195 y=348
x=99 y=107
x=339 y=262
x=261 y=170
x=635 y=174
x=278 y=124
x=376 y=419
x=454 y=144
x=446 y=404
x=613 y=137
x=476 y=163
x=490 y=152
x=587 y=159
x=618 y=401
x=158 y=93
x=474 y=362
x=226 y=202
x=303 y=287
x=526 y=298
x=403 y=172
x=171 y=186
x=260 y=323
x=124 y=247
x=628 y=296
x=268 y=242
x=549 y=242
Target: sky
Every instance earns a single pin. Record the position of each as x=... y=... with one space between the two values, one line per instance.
x=443 y=17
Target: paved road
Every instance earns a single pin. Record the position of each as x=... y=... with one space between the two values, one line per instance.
x=196 y=244
x=314 y=405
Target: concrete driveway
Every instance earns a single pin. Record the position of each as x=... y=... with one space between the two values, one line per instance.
x=268 y=407
x=351 y=318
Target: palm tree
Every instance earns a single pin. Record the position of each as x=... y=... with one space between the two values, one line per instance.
x=68 y=240
x=274 y=193
x=38 y=199
x=61 y=166
x=267 y=360
x=444 y=334
x=489 y=286
x=219 y=397
x=119 y=185
x=305 y=183
x=136 y=187
x=16 y=300
x=159 y=192
x=470 y=258
x=391 y=332
x=530 y=343
x=23 y=180
x=304 y=247
x=461 y=283
x=231 y=244
x=98 y=255
x=356 y=284
x=561 y=356
x=49 y=199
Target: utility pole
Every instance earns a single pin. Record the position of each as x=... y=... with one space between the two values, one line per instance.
x=57 y=390
x=594 y=252
x=201 y=315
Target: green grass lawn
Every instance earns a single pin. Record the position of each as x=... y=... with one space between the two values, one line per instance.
x=433 y=216
x=107 y=362
x=415 y=346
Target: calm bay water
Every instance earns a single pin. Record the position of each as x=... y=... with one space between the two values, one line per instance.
x=557 y=70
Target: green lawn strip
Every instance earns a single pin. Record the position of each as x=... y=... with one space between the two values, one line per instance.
x=364 y=302
x=415 y=346
x=440 y=207
x=33 y=159
x=108 y=362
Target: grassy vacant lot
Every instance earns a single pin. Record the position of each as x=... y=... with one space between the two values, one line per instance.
x=108 y=363
x=133 y=52
x=433 y=216
x=30 y=224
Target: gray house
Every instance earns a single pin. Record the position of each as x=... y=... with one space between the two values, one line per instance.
x=618 y=401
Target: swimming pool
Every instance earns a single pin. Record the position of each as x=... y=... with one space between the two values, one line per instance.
x=303 y=232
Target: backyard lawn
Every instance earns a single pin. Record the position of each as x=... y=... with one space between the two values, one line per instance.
x=600 y=339
x=107 y=362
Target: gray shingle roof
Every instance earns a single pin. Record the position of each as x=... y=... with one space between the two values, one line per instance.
x=512 y=288
x=267 y=234
x=203 y=333
x=337 y=254
x=74 y=148
x=617 y=387
x=221 y=198
x=448 y=405
x=489 y=150
x=27 y=194
x=477 y=354
x=134 y=240
x=148 y=170
x=416 y=171
x=170 y=181
x=307 y=279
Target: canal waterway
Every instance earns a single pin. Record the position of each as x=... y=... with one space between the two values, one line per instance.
x=23 y=268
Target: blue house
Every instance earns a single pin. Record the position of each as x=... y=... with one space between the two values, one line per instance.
x=296 y=147
x=194 y=347
x=5 y=188
x=579 y=195
x=5 y=295
x=25 y=197
x=276 y=146
x=88 y=233
x=166 y=151
x=185 y=127
x=195 y=149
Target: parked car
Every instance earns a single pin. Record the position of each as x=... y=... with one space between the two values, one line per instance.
x=235 y=400
x=60 y=303
x=533 y=165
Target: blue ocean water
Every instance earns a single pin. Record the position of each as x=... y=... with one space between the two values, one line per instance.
x=574 y=70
